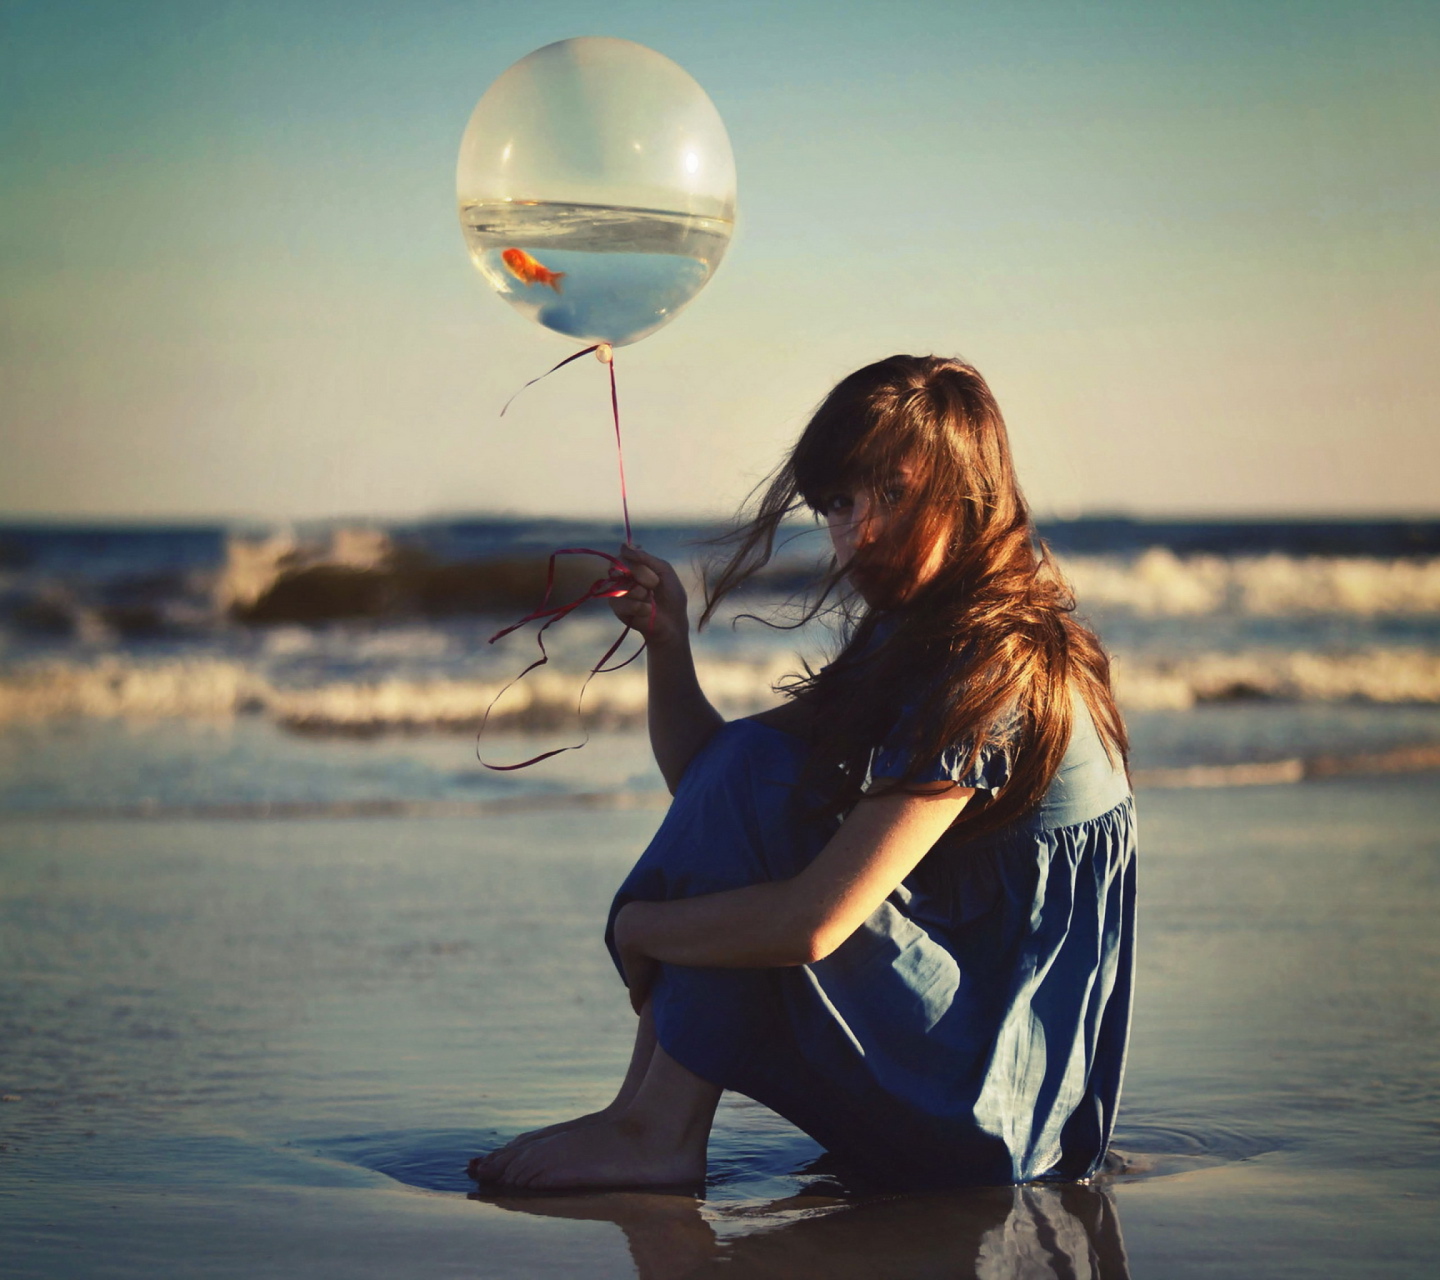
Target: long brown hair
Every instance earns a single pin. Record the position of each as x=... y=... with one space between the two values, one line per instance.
x=974 y=628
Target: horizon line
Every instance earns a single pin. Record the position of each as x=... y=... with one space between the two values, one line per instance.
x=241 y=522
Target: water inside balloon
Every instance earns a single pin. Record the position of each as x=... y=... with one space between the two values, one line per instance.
x=626 y=271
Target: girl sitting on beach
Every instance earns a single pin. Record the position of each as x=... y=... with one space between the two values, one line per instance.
x=897 y=909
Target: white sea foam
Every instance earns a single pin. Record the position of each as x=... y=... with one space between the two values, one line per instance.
x=1162 y=584
x=200 y=688
x=214 y=688
x=1379 y=675
x=544 y=699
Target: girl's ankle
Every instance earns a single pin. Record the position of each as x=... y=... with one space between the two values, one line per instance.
x=668 y=1128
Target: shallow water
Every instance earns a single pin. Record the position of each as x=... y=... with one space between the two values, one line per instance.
x=248 y=767
x=238 y=1045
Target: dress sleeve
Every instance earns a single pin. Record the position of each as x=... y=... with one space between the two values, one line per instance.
x=989 y=772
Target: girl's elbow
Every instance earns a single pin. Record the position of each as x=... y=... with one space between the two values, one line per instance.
x=816 y=949
x=819 y=942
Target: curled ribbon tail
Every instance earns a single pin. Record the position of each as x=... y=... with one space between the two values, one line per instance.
x=616 y=582
x=547 y=373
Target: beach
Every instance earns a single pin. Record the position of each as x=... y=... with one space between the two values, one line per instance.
x=280 y=954
x=243 y=1044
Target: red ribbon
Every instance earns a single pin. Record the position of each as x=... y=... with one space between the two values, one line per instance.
x=614 y=410
x=616 y=582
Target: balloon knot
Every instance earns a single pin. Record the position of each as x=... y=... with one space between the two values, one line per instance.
x=603 y=353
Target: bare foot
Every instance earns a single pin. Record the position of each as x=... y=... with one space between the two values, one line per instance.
x=621 y=1152
x=487 y=1168
x=490 y=1167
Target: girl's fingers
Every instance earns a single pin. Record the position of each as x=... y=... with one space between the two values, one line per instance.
x=656 y=594
x=643 y=559
x=645 y=576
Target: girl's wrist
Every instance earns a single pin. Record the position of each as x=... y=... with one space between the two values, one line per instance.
x=677 y=642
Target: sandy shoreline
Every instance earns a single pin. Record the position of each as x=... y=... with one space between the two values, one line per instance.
x=222 y=1035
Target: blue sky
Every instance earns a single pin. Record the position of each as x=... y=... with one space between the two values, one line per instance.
x=1195 y=247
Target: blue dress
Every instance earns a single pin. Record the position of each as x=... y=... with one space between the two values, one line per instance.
x=973 y=1029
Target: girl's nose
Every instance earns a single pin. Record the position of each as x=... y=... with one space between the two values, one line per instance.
x=866 y=520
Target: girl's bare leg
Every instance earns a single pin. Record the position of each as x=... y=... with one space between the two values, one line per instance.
x=487 y=1168
x=658 y=1139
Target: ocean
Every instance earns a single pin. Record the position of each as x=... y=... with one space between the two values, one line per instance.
x=280 y=954
x=367 y=631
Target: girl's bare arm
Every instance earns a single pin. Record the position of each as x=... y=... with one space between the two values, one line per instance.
x=681 y=719
x=800 y=920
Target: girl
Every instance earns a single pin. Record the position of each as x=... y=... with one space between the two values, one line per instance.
x=899 y=908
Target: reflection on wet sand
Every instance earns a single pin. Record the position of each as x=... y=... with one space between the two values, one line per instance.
x=1031 y=1232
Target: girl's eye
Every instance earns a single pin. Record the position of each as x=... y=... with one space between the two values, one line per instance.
x=836 y=503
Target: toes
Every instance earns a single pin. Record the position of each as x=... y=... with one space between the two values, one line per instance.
x=498 y=1161
x=550 y=1178
x=483 y=1168
x=516 y=1173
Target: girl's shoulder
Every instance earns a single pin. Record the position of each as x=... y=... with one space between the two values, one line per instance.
x=1090 y=782
x=987 y=769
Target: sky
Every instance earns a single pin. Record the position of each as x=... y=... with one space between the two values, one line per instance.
x=1195 y=248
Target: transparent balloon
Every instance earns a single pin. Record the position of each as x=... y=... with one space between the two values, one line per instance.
x=597 y=188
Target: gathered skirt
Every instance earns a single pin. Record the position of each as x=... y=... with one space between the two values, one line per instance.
x=972 y=1030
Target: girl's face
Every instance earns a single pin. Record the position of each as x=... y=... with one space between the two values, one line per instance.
x=857 y=517
x=854 y=519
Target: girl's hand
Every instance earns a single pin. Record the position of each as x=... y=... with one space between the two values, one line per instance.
x=641 y=970
x=655 y=605
x=640 y=974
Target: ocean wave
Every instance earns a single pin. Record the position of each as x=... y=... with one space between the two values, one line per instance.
x=114 y=687
x=214 y=688
x=1270 y=773
x=1378 y=675
x=362 y=580
x=1158 y=583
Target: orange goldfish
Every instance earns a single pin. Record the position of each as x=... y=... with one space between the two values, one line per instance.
x=524 y=268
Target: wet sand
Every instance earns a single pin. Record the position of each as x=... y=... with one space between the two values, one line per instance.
x=232 y=1048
